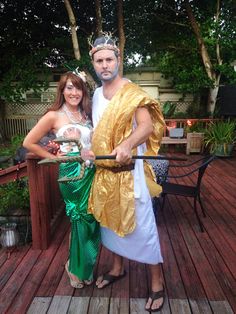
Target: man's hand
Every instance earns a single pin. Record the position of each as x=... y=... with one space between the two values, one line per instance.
x=140 y=134
x=123 y=153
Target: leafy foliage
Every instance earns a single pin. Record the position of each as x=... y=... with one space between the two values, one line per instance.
x=10 y=149
x=221 y=132
x=14 y=195
x=35 y=37
x=198 y=127
x=168 y=109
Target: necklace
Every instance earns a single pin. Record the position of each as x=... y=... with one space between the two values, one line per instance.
x=71 y=115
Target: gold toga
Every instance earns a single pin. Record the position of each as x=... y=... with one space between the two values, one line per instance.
x=112 y=194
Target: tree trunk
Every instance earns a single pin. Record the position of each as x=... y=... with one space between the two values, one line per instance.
x=121 y=33
x=98 y=17
x=75 y=42
x=212 y=96
x=205 y=56
x=73 y=27
x=202 y=48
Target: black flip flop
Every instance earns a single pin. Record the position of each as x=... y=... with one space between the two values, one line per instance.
x=155 y=296
x=111 y=278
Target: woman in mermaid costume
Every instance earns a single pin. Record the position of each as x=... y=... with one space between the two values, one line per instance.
x=69 y=118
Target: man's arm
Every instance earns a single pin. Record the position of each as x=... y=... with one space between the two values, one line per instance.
x=143 y=130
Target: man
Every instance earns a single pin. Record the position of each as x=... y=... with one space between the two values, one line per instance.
x=127 y=122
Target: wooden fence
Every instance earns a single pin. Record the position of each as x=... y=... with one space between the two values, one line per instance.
x=22 y=124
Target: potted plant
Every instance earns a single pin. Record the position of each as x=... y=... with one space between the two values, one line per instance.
x=220 y=138
x=195 y=136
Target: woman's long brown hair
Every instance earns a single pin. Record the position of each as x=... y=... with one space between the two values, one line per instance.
x=85 y=104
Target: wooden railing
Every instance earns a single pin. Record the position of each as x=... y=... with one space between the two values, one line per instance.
x=46 y=202
x=183 y=123
x=12 y=173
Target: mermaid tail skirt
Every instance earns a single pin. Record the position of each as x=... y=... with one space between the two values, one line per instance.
x=85 y=231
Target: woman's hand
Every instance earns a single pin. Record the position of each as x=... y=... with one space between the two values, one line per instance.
x=87 y=154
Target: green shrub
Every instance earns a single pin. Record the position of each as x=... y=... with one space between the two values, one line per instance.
x=221 y=132
x=197 y=127
x=14 y=195
x=168 y=109
x=9 y=149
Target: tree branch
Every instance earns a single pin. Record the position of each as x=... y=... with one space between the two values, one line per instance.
x=73 y=27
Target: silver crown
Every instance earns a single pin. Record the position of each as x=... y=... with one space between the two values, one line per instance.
x=107 y=36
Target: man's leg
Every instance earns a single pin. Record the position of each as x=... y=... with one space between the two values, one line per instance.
x=157 y=285
x=116 y=270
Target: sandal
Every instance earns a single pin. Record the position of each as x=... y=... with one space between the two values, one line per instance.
x=88 y=282
x=155 y=296
x=110 y=279
x=78 y=284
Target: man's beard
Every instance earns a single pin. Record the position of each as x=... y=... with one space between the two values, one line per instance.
x=113 y=75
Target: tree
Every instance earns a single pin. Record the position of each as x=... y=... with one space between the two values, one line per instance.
x=73 y=27
x=75 y=42
x=98 y=17
x=121 y=33
x=192 y=42
x=213 y=72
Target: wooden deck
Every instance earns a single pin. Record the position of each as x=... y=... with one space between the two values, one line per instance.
x=199 y=269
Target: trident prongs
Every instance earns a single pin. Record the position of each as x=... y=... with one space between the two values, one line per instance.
x=61 y=140
x=65 y=159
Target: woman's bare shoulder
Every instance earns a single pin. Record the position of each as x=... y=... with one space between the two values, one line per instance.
x=50 y=115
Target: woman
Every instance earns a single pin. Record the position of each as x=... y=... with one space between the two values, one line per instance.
x=69 y=117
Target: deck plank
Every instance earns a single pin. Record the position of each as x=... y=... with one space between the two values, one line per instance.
x=219 y=307
x=171 y=273
x=17 y=279
x=39 y=305
x=201 y=263
x=200 y=306
x=119 y=306
x=52 y=277
x=137 y=305
x=120 y=289
x=138 y=280
x=37 y=273
x=9 y=265
x=104 y=265
x=98 y=305
x=79 y=305
x=188 y=272
x=180 y=306
x=59 y=304
x=221 y=272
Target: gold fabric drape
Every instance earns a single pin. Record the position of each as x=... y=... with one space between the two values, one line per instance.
x=112 y=194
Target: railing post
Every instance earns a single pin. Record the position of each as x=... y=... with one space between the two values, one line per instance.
x=40 y=203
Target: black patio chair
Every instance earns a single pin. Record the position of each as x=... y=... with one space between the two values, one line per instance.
x=194 y=190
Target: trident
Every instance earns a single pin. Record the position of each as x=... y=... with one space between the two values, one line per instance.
x=86 y=163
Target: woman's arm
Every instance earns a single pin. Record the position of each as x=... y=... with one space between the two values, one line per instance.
x=45 y=124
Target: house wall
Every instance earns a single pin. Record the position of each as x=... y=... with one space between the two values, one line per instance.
x=158 y=87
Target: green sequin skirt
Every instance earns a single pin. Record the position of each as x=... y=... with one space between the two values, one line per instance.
x=85 y=230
